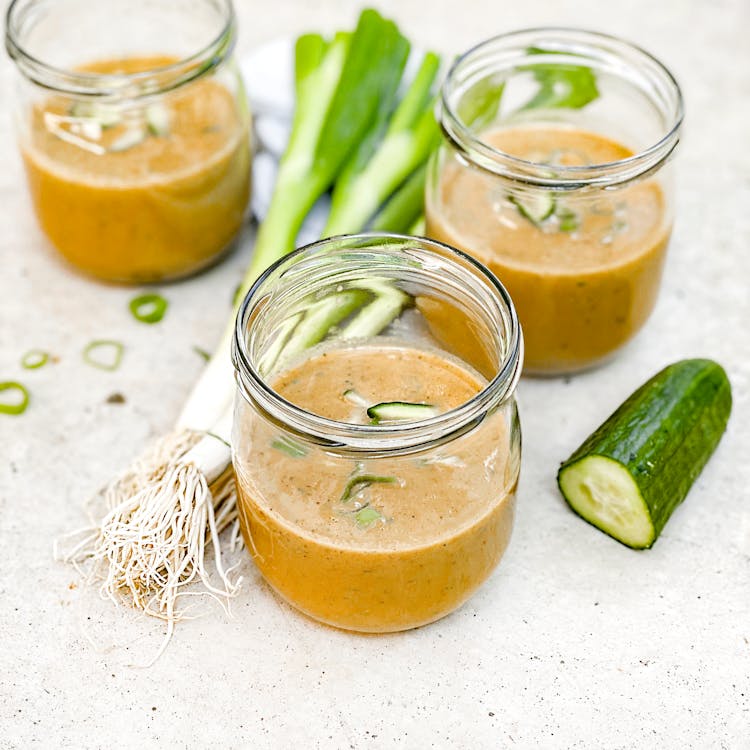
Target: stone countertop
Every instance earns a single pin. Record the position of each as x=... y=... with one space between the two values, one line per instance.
x=575 y=642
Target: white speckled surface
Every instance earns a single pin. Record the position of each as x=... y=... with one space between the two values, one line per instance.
x=575 y=642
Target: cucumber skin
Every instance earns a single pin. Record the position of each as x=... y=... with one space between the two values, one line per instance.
x=664 y=433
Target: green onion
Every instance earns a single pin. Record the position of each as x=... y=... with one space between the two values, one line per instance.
x=339 y=87
x=14 y=408
x=291 y=447
x=562 y=85
x=419 y=227
x=34 y=359
x=404 y=207
x=362 y=482
x=202 y=353
x=411 y=137
x=148 y=308
x=112 y=351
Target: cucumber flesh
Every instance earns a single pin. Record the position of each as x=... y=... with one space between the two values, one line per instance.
x=396 y=411
x=603 y=493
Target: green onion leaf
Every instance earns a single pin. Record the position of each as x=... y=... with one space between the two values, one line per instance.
x=104 y=354
x=404 y=207
x=19 y=407
x=34 y=359
x=362 y=482
x=562 y=85
x=148 y=308
x=412 y=135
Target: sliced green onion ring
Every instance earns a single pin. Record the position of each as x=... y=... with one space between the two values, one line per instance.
x=148 y=308
x=20 y=406
x=34 y=359
x=103 y=346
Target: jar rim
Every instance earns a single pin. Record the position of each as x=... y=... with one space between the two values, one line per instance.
x=384 y=438
x=566 y=177
x=115 y=85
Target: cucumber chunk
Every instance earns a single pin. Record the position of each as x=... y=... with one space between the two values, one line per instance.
x=631 y=473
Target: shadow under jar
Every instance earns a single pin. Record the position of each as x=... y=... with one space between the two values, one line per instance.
x=555 y=171
x=363 y=513
x=134 y=131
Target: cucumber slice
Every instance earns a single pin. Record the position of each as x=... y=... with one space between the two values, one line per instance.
x=394 y=411
x=536 y=207
x=631 y=473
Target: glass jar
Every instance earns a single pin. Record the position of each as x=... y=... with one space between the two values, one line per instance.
x=366 y=520
x=134 y=131
x=555 y=171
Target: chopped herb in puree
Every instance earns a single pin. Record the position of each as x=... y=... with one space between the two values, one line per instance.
x=143 y=193
x=375 y=544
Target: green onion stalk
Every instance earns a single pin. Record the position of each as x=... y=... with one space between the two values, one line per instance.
x=349 y=132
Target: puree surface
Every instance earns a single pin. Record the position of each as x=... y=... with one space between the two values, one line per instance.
x=444 y=523
x=579 y=294
x=163 y=207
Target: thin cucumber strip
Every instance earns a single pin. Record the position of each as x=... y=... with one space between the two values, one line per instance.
x=355 y=398
x=129 y=139
x=363 y=481
x=288 y=445
x=394 y=411
x=102 y=115
x=283 y=333
x=379 y=313
x=319 y=318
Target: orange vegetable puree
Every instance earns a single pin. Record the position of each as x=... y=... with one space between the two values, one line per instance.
x=163 y=207
x=582 y=293
x=441 y=525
